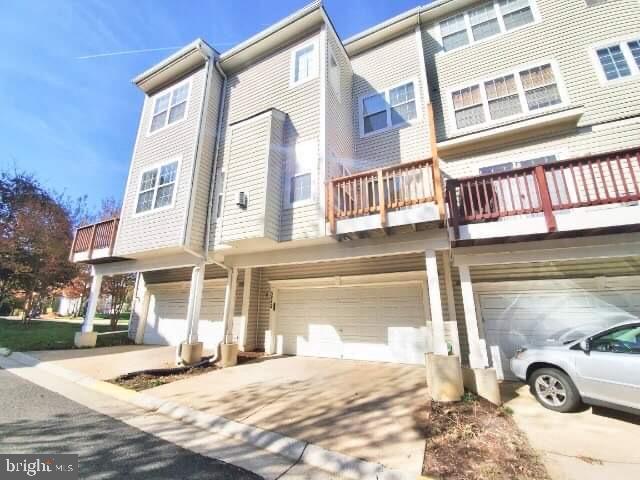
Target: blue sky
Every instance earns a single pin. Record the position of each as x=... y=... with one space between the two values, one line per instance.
x=72 y=120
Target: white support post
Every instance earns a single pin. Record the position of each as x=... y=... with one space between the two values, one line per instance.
x=229 y=303
x=195 y=302
x=435 y=302
x=476 y=357
x=92 y=304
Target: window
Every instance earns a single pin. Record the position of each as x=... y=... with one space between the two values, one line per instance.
x=517 y=93
x=620 y=340
x=392 y=108
x=488 y=20
x=334 y=74
x=169 y=107
x=157 y=186
x=304 y=63
x=619 y=60
x=301 y=173
x=508 y=166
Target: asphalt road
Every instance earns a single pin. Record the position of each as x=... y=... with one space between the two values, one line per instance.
x=35 y=420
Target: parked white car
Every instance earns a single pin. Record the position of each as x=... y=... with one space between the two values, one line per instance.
x=599 y=369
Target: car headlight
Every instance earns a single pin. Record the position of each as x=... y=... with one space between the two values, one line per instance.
x=519 y=353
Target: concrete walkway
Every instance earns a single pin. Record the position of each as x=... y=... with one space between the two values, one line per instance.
x=362 y=409
x=590 y=445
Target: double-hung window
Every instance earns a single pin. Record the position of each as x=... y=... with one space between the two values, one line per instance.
x=491 y=18
x=157 y=187
x=619 y=60
x=299 y=186
x=169 y=107
x=304 y=63
x=392 y=108
x=520 y=92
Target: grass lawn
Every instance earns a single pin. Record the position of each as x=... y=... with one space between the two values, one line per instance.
x=54 y=334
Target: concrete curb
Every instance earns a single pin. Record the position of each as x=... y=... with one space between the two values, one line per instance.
x=288 y=447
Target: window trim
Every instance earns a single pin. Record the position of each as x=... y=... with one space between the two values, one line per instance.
x=526 y=112
x=623 y=43
x=154 y=98
x=316 y=62
x=157 y=166
x=313 y=171
x=417 y=98
x=537 y=18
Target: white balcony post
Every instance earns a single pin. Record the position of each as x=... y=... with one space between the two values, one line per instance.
x=476 y=357
x=195 y=302
x=435 y=303
x=230 y=303
x=92 y=303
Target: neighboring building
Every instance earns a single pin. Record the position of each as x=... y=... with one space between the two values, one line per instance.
x=290 y=192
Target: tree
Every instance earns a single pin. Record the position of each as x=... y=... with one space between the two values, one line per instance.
x=35 y=237
x=120 y=290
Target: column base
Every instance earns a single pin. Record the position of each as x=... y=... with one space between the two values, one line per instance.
x=483 y=382
x=444 y=377
x=228 y=355
x=190 y=353
x=85 y=339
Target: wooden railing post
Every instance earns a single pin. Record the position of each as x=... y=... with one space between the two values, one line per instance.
x=112 y=241
x=331 y=209
x=435 y=164
x=93 y=240
x=454 y=211
x=381 y=199
x=545 y=198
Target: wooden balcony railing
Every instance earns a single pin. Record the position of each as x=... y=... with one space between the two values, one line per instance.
x=581 y=182
x=379 y=191
x=99 y=236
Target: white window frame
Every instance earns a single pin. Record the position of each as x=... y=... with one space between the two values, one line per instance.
x=417 y=98
x=312 y=144
x=537 y=18
x=526 y=112
x=157 y=166
x=623 y=43
x=334 y=74
x=170 y=90
x=315 y=65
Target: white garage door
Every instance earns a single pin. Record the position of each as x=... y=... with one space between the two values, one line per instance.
x=166 y=320
x=383 y=323
x=516 y=318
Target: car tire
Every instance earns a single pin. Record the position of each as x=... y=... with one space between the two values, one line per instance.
x=554 y=390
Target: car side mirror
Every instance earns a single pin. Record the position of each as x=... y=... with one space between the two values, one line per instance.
x=585 y=345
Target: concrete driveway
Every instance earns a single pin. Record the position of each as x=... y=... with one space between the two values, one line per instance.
x=592 y=444
x=362 y=409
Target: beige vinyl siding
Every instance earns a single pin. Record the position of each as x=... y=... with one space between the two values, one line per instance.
x=164 y=228
x=566 y=33
x=587 y=268
x=252 y=317
x=603 y=138
x=253 y=167
x=264 y=85
x=203 y=175
x=395 y=263
x=339 y=112
x=376 y=70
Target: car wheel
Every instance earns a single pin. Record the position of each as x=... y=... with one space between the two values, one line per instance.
x=554 y=390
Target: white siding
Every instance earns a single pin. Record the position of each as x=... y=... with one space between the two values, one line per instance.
x=164 y=228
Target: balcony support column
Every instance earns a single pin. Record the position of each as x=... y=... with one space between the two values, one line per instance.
x=86 y=337
x=477 y=351
x=435 y=304
x=190 y=351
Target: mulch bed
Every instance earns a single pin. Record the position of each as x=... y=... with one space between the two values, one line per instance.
x=475 y=440
x=145 y=381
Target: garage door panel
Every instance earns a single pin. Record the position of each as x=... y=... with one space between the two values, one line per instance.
x=515 y=319
x=381 y=323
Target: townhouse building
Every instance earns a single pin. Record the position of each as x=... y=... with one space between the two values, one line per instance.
x=463 y=178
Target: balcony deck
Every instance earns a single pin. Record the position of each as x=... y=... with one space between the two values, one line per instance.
x=595 y=193
x=94 y=243
x=400 y=195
